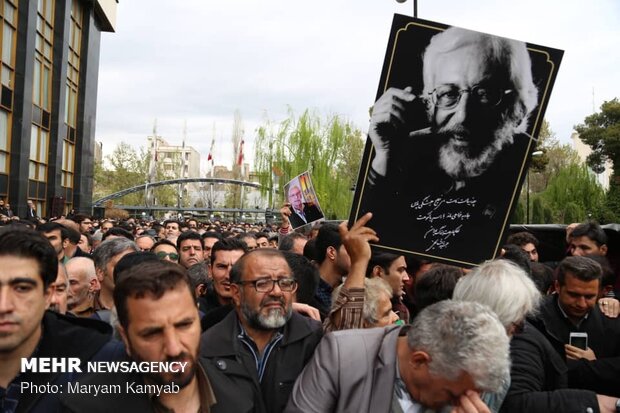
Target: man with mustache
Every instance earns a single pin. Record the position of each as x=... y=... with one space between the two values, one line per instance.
x=159 y=323
x=263 y=343
x=461 y=166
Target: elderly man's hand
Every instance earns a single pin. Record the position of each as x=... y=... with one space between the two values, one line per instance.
x=575 y=353
x=471 y=402
x=387 y=119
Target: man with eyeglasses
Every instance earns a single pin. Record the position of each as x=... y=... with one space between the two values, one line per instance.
x=263 y=337
x=460 y=165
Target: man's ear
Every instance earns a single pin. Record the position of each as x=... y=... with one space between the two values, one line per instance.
x=557 y=286
x=65 y=243
x=94 y=285
x=331 y=253
x=419 y=359
x=377 y=271
x=200 y=289
x=236 y=294
x=100 y=274
x=603 y=249
x=123 y=334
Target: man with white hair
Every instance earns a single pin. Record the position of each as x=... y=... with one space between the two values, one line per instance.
x=478 y=93
x=408 y=368
x=83 y=284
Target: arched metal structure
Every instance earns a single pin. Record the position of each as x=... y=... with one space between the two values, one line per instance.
x=146 y=186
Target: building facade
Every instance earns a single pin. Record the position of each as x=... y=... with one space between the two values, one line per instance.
x=49 y=75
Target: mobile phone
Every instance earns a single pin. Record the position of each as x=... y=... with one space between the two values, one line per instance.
x=579 y=340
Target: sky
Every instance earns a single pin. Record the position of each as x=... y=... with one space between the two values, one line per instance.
x=196 y=62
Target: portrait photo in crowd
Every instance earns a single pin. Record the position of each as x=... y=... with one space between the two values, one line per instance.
x=451 y=134
x=304 y=204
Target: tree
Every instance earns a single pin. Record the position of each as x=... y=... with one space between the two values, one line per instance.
x=601 y=131
x=330 y=149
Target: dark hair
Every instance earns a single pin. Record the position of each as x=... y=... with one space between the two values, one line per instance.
x=591 y=230
x=245 y=235
x=584 y=268
x=542 y=276
x=609 y=277
x=171 y=221
x=307 y=276
x=189 y=235
x=236 y=272
x=310 y=249
x=522 y=238
x=119 y=232
x=436 y=284
x=288 y=242
x=73 y=235
x=328 y=236
x=53 y=226
x=155 y=278
x=228 y=244
x=131 y=260
x=23 y=242
x=163 y=242
x=212 y=234
x=78 y=218
x=89 y=238
x=515 y=254
x=382 y=259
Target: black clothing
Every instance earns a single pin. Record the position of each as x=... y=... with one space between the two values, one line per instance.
x=311 y=213
x=539 y=379
x=601 y=375
x=222 y=347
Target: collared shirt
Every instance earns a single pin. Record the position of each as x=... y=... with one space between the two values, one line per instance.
x=578 y=325
x=205 y=393
x=260 y=358
x=406 y=402
x=347 y=311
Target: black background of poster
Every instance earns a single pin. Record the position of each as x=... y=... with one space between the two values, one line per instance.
x=403 y=67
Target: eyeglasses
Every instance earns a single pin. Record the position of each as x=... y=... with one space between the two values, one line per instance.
x=448 y=96
x=173 y=255
x=266 y=285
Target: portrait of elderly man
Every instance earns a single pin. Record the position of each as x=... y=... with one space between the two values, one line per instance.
x=301 y=212
x=449 y=146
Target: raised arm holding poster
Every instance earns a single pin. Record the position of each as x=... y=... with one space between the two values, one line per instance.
x=450 y=138
x=302 y=201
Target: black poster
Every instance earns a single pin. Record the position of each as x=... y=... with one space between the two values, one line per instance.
x=452 y=130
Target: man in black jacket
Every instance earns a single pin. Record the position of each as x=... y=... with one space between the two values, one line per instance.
x=28 y=267
x=262 y=343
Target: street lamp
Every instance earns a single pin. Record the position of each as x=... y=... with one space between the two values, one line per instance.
x=527 y=193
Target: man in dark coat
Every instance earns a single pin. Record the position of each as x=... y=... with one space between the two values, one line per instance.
x=28 y=268
x=262 y=343
x=302 y=213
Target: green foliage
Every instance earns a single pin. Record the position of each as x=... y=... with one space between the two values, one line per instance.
x=130 y=168
x=538 y=211
x=330 y=149
x=573 y=194
x=518 y=215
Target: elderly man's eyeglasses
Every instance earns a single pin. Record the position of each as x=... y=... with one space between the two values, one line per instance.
x=162 y=255
x=448 y=96
x=266 y=285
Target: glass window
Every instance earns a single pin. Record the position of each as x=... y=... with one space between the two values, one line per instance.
x=4 y=131
x=32 y=170
x=43 y=146
x=3 y=162
x=7 y=43
x=42 y=172
x=36 y=83
x=6 y=76
x=45 y=92
x=34 y=141
x=9 y=12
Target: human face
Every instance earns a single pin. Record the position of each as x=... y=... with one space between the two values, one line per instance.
x=396 y=276
x=582 y=246
x=436 y=392
x=473 y=134
x=145 y=243
x=55 y=238
x=251 y=243
x=22 y=304
x=221 y=264
x=106 y=277
x=343 y=261
x=165 y=329
x=190 y=253
x=60 y=295
x=172 y=230
x=531 y=251
x=294 y=197
x=86 y=225
x=84 y=245
x=106 y=226
x=208 y=245
x=262 y=242
x=79 y=286
x=192 y=225
x=263 y=310
x=166 y=249
x=577 y=297
x=385 y=316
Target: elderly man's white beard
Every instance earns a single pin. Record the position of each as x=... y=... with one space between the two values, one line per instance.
x=455 y=160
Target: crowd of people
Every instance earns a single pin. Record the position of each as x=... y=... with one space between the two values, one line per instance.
x=271 y=320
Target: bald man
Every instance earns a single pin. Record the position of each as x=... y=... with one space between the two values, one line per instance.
x=83 y=284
